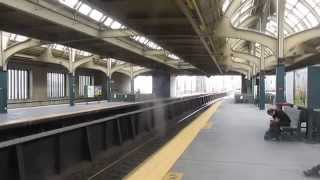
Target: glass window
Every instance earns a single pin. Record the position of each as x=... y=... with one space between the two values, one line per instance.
x=18 y=84
x=143 y=84
x=56 y=85
x=85 y=81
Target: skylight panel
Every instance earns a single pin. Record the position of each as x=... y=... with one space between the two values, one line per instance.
x=311 y=2
x=135 y=37
x=297 y=13
x=314 y=22
x=59 y=47
x=21 y=38
x=302 y=8
x=244 y=17
x=246 y=7
x=85 y=9
x=317 y=9
x=292 y=2
x=301 y=26
x=96 y=15
x=290 y=23
x=108 y=21
x=142 y=39
x=12 y=37
x=69 y=3
x=306 y=22
x=150 y=44
x=235 y=17
x=83 y=53
x=289 y=6
x=115 y=25
x=293 y=18
x=296 y=29
x=174 y=57
x=225 y=5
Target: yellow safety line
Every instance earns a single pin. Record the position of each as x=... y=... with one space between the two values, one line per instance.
x=157 y=166
x=173 y=176
x=208 y=125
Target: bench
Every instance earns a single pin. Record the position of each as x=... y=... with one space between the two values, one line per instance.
x=295 y=125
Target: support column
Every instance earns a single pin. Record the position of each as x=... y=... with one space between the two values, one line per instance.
x=108 y=88
x=243 y=84
x=71 y=76
x=108 y=80
x=262 y=94
x=3 y=75
x=280 y=83
x=131 y=80
x=280 y=69
x=132 y=85
x=249 y=86
x=161 y=84
x=72 y=85
x=3 y=91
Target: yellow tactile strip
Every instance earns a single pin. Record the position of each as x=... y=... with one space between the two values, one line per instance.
x=173 y=176
x=208 y=125
x=158 y=165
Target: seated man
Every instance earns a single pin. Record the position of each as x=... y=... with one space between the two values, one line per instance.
x=280 y=118
x=313 y=172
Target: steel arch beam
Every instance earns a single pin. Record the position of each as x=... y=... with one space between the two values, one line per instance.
x=141 y=71
x=299 y=38
x=49 y=58
x=80 y=62
x=91 y=65
x=227 y=30
x=16 y=48
x=118 y=67
x=63 y=17
x=122 y=71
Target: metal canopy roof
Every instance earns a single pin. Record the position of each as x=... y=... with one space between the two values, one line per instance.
x=163 y=22
x=19 y=22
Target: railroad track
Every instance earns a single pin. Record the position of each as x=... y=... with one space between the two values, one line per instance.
x=123 y=165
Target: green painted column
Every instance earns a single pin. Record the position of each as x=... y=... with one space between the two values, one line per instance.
x=132 y=86
x=72 y=86
x=262 y=93
x=3 y=91
x=280 y=83
x=108 y=88
x=253 y=83
x=243 y=85
x=249 y=86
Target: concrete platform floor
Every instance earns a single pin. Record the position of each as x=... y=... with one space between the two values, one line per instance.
x=234 y=149
x=29 y=114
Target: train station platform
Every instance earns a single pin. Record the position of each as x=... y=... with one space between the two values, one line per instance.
x=33 y=115
x=231 y=146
